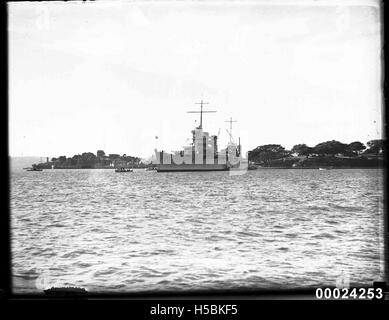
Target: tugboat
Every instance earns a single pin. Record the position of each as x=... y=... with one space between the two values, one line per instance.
x=202 y=154
x=34 y=168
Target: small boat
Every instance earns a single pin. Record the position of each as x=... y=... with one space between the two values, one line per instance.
x=65 y=291
x=34 y=169
x=123 y=170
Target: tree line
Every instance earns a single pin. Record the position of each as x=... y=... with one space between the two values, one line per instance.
x=270 y=152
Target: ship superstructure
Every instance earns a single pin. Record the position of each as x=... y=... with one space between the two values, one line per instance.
x=202 y=154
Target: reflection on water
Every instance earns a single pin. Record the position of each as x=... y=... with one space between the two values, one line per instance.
x=144 y=230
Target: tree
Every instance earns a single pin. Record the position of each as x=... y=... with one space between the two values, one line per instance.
x=76 y=159
x=356 y=147
x=53 y=159
x=114 y=156
x=375 y=146
x=330 y=148
x=302 y=150
x=88 y=156
x=88 y=160
x=100 y=153
x=268 y=152
x=62 y=158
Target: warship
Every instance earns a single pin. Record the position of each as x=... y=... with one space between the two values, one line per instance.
x=203 y=153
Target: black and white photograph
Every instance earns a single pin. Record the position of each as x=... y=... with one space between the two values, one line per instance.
x=173 y=147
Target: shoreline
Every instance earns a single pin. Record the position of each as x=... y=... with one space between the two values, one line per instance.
x=251 y=169
x=317 y=168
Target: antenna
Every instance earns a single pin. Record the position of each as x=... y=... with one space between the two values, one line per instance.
x=201 y=103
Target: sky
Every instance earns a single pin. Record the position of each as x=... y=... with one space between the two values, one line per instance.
x=121 y=76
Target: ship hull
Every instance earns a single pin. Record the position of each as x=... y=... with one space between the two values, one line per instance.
x=191 y=167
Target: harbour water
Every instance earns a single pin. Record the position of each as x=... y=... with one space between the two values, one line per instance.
x=148 y=231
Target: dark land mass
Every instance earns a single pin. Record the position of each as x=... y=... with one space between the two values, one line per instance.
x=89 y=160
x=329 y=154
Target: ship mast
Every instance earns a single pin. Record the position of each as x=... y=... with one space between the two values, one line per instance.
x=201 y=103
